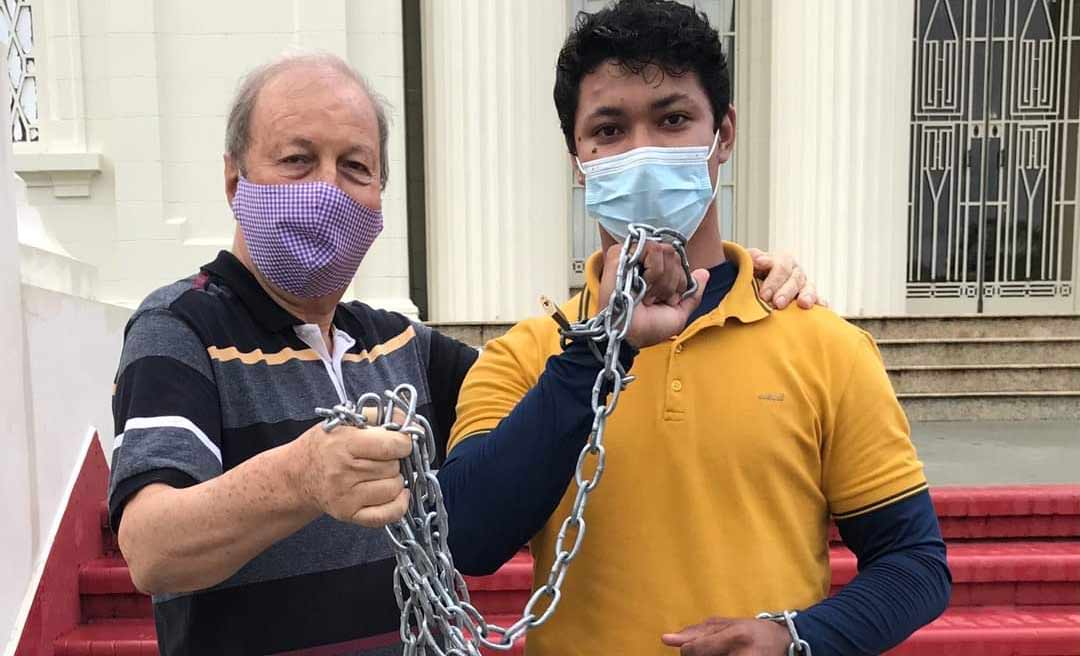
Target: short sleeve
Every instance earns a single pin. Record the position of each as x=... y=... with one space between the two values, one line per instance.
x=166 y=410
x=506 y=370
x=868 y=458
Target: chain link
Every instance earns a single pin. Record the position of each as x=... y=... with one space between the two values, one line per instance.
x=798 y=646
x=437 y=615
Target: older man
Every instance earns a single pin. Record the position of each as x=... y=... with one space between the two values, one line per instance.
x=255 y=529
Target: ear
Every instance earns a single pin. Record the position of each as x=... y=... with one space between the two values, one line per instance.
x=726 y=142
x=232 y=177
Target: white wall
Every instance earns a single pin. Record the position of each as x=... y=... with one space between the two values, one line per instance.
x=73 y=345
x=496 y=168
x=840 y=105
x=71 y=348
x=19 y=515
x=146 y=83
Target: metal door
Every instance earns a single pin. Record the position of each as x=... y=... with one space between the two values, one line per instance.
x=994 y=157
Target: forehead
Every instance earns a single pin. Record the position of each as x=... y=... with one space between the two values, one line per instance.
x=312 y=97
x=613 y=84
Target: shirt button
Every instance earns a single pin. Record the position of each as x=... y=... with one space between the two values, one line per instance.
x=678 y=348
x=676 y=386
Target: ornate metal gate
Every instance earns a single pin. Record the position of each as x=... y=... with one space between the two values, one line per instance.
x=994 y=154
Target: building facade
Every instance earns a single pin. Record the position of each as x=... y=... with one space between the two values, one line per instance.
x=919 y=156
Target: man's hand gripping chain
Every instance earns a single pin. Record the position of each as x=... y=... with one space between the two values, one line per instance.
x=436 y=613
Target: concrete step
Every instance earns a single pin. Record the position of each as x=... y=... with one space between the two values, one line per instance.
x=991 y=406
x=901 y=327
x=971 y=325
x=980 y=350
x=473 y=333
x=984 y=378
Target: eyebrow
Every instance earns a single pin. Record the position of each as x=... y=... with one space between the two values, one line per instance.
x=310 y=145
x=301 y=142
x=607 y=110
x=363 y=149
x=668 y=101
x=661 y=103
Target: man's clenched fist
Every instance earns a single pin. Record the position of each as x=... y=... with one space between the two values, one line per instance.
x=353 y=474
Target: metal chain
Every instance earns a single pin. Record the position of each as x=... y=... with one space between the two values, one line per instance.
x=798 y=646
x=436 y=612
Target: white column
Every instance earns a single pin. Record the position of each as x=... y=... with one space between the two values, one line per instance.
x=497 y=170
x=18 y=531
x=374 y=47
x=841 y=111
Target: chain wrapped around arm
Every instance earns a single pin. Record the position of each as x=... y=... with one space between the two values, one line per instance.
x=437 y=616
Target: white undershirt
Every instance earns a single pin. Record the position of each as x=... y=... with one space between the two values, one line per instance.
x=311 y=335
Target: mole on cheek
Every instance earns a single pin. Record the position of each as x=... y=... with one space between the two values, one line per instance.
x=594 y=151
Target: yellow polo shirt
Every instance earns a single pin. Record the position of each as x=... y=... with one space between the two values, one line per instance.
x=725 y=459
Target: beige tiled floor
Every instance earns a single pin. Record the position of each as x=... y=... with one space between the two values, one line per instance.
x=999 y=452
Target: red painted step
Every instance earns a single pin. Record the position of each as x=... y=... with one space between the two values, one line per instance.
x=139 y=638
x=1017 y=597
x=105 y=576
x=984 y=574
x=505 y=591
x=998 y=573
x=986 y=631
x=1004 y=511
x=1005 y=631
x=110 y=638
x=504 y=621
x=965 y=513
x=107 y=592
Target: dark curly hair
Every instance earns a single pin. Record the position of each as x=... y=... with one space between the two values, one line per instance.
x=637 y=33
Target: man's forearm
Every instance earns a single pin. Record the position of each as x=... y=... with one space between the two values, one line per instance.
x=501 y=487
x=179 y=540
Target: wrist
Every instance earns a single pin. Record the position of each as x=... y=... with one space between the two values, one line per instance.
x=292 y=464
x=788 y=635
x=779 y=639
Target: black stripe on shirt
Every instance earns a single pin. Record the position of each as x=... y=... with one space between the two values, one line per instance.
x=274 y=616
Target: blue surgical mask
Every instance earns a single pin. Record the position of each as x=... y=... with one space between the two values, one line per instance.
x=662 y=187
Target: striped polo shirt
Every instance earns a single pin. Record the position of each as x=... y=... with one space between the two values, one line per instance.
x=214 y=372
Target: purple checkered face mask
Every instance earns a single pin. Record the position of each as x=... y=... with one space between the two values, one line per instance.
x=307 y=238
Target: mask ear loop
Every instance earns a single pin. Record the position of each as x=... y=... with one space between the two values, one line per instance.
x=715 y=142
x=577 y=161
x=716 y=186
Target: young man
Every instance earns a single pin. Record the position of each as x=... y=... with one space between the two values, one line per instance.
x=745 y=430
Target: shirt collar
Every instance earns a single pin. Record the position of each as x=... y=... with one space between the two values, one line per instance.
x=243 y=282
x=742 y=302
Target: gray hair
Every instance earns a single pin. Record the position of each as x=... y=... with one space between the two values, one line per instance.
x=238 y=127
